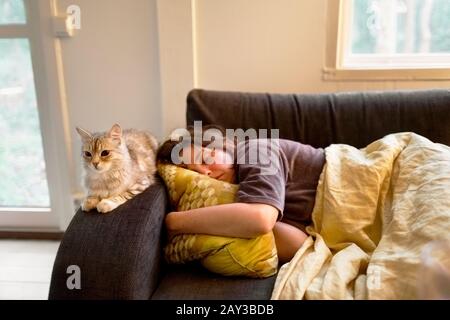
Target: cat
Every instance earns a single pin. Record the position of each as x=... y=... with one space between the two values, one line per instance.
x=119 y=164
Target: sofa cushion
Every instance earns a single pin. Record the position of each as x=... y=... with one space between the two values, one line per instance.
x=191 y=282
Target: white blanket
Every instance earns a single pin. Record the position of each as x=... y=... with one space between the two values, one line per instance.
x=376 y=208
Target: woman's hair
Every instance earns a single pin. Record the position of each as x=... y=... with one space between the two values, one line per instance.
x=164 y=154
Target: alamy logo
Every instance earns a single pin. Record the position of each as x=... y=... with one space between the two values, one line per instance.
x=74 y=14
x=248 y=147
x=74 y=280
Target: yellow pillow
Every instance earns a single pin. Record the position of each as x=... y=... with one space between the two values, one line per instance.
x=187 y=189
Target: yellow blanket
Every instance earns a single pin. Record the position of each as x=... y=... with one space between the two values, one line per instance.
x=376 y=208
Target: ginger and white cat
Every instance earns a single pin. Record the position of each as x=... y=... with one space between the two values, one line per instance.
x=118 y=166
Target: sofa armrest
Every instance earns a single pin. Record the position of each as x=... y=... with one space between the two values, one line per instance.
x=118 y=253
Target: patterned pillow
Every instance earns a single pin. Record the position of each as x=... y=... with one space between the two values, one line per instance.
x=187 y=189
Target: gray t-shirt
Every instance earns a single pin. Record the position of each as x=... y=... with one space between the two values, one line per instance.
x=283 y=176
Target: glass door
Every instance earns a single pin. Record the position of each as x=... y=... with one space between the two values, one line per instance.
x=26 y=201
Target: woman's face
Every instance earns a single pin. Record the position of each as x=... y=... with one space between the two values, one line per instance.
x=215 y=163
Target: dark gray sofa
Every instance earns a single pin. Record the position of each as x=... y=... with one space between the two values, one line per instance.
x=119 y=254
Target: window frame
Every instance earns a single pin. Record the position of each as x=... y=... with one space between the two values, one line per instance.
x=53 y=117
x=336 y=38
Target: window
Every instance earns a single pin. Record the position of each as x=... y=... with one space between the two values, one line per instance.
x=12 y=12
x=22 y=165
x=28 y=153
x=394 y=37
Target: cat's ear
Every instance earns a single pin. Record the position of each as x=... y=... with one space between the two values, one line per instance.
x=115 y=132
x=86 y=136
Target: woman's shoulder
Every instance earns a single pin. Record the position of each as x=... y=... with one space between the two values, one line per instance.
x=277 y=146
x=296 y=152
x=298 y=146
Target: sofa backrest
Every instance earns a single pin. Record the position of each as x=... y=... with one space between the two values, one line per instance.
x=355 y=118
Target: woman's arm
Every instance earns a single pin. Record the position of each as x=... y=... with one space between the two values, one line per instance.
x=243 y=220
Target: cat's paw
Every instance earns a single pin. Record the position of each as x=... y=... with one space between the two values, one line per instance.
x=106 y=205
x=89 y=204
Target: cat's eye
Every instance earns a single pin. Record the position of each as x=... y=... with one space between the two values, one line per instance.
x=87 y=154
x=105 y=153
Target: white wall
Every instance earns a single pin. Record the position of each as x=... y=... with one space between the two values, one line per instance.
x=111 y=68
x=261 y=45
x=134 y=61
x=176 y=53
x=271 y=45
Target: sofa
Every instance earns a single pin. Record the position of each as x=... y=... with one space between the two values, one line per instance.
x=120 y=254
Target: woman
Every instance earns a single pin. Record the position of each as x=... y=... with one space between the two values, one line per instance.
x=276 y=192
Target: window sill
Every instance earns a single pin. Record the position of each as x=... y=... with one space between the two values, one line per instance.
x=332 y=74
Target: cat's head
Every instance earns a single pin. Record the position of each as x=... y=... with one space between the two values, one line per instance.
x=102 y=152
